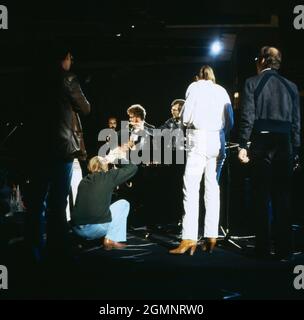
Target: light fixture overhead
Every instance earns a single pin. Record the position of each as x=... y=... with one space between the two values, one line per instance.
x=216 y=48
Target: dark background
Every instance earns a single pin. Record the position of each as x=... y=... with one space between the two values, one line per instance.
x=151 y=64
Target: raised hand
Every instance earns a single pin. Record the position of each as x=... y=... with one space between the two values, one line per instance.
x=243 y=156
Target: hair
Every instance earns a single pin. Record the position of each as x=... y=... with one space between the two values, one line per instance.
x=272 y=57
x=206 y=73
x=138 y=111
x=179 y=102
x=97 y=164
x=58 y=51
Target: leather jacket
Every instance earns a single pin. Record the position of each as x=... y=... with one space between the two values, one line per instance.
x=67 y=131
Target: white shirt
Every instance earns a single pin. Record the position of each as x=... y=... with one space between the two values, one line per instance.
x=207 y=107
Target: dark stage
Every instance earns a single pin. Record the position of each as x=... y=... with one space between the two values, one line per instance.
x=143 y=52
x=146 y=271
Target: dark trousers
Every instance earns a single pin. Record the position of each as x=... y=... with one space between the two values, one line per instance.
x=271 y=156
x=49 y=188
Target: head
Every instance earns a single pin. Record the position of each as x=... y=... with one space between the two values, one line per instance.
x=269 y=57
x=98 y=164
x=67 y=61
x=136 y=113
x=176 y=107
x=206 y=73
x=112 y=123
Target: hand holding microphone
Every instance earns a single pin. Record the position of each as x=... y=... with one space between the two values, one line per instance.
x=243 y=156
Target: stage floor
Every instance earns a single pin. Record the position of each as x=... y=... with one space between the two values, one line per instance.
x=145 y=270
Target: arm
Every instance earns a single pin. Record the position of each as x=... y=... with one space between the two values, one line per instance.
x=247 y=116
x=79 y=102
x=296 y=123
x=228 y=114
x=187 y=112
x=125 y=171
x=229 y=120
x=123 y=174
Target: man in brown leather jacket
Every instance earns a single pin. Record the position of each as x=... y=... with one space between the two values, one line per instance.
x=61 y=141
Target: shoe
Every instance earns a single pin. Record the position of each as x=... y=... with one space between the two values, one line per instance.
x=184 y=246
x=208 y=245
x=109 y=244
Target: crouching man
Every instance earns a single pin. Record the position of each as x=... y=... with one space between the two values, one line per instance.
x=94 y=216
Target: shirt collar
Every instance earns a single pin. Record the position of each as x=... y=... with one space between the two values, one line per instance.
x=266 y=69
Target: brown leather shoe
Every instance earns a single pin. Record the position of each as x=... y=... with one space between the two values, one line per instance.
x=109 y=244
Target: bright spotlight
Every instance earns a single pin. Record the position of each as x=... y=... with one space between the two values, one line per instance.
x=216 y=48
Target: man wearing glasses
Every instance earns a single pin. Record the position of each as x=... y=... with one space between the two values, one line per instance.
x=270 y=119
x=175 y=122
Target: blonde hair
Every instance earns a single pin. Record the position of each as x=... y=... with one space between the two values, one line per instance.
x=97 y=164
x=206 y=73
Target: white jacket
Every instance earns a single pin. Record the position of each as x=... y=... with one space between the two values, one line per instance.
x=207 y=107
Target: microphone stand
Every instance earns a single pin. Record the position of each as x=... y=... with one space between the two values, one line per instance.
x=227 y=237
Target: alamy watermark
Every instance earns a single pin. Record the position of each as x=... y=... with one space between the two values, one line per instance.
x=298 y=21
x=159 y=145
x=298 y=281
x=3 y=277
x=3 y=17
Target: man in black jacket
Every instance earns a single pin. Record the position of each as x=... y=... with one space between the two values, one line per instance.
x=141 y=132
x=270 y=119
x=174 y=173
x=57 y=140
x=174 y=124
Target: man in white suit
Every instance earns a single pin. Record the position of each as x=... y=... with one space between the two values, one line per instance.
x=209 y=116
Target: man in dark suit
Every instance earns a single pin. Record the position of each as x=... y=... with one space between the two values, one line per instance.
x=140 y=131
x=174 y=125
x=270 y=119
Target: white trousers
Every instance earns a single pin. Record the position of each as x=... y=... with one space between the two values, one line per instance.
x=206 y=156
x=76 y=178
